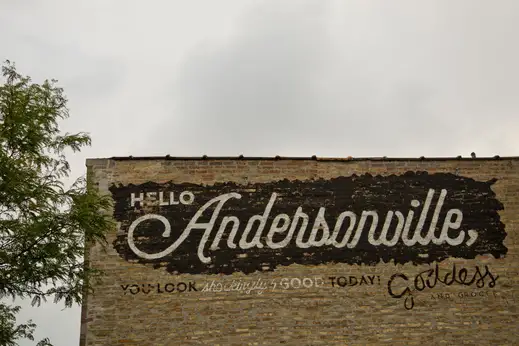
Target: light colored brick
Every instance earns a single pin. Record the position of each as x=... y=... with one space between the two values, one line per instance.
x=326 y=315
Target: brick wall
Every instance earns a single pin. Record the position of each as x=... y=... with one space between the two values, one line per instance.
x=455 y=282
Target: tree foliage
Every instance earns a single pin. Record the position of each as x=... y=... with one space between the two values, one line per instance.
x=44 y=225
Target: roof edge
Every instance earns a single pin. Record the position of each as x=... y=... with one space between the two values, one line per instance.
x=300 y=158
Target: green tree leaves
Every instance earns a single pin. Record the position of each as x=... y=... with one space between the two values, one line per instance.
x=44 y=225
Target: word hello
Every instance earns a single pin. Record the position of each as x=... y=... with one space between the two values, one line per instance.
x=161 y=198
x=158 y=288
x=431 y=277
x=346 y=232
x=343 y=281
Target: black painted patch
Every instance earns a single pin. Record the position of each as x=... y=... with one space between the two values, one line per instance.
x=475 y=199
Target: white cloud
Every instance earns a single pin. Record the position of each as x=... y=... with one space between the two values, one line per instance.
x=357 y=78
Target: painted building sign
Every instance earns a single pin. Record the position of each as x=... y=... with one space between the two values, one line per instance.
x=224 y=228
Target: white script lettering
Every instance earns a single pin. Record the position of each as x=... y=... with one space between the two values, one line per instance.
x=296 y=227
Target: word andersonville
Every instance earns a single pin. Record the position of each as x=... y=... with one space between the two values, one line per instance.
x=227 y=227
x=431 y=277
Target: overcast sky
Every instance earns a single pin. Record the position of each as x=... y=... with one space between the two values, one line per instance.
x=293 y=78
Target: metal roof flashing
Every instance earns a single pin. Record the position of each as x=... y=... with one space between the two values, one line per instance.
x=308 y=158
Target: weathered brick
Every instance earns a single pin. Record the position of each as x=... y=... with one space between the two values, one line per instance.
x=151 y=310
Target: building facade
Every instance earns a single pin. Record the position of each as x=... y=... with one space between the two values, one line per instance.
x=306 y=251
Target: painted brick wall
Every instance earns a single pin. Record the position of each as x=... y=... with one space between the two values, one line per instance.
x=461 y=290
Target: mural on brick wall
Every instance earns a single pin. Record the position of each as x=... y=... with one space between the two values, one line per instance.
x=224 y=228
